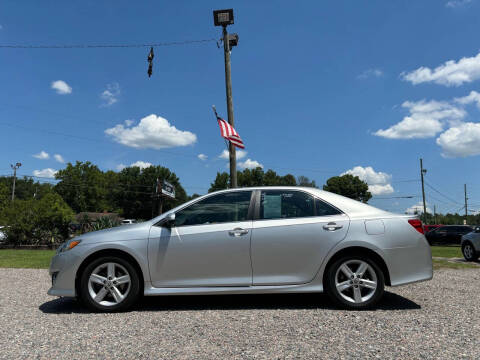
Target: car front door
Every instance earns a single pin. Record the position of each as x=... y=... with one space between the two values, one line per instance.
x=209 y=244
x=292 y=233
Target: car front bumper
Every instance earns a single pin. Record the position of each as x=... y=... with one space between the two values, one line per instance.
x=62 y=270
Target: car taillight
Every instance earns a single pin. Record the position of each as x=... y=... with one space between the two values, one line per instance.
x=417 y=224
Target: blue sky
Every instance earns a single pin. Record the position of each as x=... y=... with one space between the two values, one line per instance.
x=319 y=89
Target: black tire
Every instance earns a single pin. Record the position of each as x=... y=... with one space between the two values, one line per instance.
x=130 y=297
x=471 y=255
x=336 y=297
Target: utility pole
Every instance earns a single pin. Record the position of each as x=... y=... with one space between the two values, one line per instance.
x=466 y=205
x=14 y=167
x=159 y=196
x=224 y=18
x=435 y=214
x=228 y=85
x=422 y=172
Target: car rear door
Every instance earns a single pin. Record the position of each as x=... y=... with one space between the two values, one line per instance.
x=208 y=246
x=292 y=233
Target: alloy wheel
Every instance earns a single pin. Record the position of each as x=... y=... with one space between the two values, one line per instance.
x=468 y=251
x=356 y=281
x=109 y=284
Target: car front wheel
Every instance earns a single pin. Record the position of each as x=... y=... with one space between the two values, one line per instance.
x=109 y=284
x=355 y=282
x=469 y=252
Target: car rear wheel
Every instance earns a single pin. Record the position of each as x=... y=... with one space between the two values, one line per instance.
x=469 y=252
x=109 y=284
x=355 y=282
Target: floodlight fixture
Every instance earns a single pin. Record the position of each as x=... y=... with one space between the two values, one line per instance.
x=223 y=17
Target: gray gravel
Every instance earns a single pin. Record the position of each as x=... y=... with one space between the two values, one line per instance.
x=439 y=319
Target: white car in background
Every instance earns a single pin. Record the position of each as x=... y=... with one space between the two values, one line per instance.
x=129 y=221
x=3 y=237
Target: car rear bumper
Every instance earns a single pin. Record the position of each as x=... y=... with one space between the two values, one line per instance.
x=410 y=264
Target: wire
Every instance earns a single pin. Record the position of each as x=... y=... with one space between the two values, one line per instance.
x=445 y=196
x=96 y=46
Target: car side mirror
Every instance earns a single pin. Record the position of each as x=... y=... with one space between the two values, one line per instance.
x=169 y=221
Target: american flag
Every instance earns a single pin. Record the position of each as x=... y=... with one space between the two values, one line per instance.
x=228 y=132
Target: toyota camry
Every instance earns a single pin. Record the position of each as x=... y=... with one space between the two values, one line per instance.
x=249 y=240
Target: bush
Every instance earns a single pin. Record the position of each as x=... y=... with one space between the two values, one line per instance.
x=105 y=222
x=37 y=222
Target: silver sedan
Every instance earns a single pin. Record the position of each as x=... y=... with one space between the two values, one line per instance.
x=249 y=240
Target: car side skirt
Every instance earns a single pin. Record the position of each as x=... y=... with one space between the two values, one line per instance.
x=302 y=288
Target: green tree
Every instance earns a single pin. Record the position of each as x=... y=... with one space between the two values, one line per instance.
x=25 y=188
x=37 y=221
x=349 y=186
x=305 y=181
x=84 y=187
x=136 y=187
x=221 y=182
x=253 y=177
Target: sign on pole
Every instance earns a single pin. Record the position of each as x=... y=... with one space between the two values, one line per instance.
x=168 y=189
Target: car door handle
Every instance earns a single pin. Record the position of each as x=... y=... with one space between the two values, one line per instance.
x=238 y=232
x=331 y=226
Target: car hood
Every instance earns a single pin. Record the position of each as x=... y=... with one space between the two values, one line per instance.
x=119 y=233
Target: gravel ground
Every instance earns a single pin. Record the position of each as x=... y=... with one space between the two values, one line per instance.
x=439 y=319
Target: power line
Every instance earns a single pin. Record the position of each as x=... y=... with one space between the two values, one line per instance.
x=445 y=196
x=96 y=46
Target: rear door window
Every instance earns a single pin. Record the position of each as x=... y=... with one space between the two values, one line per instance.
x=286 y=204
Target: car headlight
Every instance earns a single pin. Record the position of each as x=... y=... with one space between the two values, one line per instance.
x=68 y=245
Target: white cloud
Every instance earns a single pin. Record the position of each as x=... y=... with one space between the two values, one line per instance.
x=61 y=87
x=152 y=132
x=457 y=3
x=426 y=119
x=202 y=157
x=110 y=95
x=249 y=164
x=378 y=182
x=42 y=155
x=460 y=141
x=240 y=154
x=370 y=73
x=473 y=97
x=141 y=164
x=59 y=158
x=450 y=73
x=46 y=173
x=417 y=209
x=129 y=122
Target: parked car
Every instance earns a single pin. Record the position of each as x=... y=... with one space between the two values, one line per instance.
x=128 y=221
x=428 y=228
x=471 y=245
x=447 y=234
x=3 y=237
x=249 y=240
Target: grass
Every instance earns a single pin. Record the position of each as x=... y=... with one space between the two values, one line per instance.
x=445 y=264
x=447 y=251
x=31 y=259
